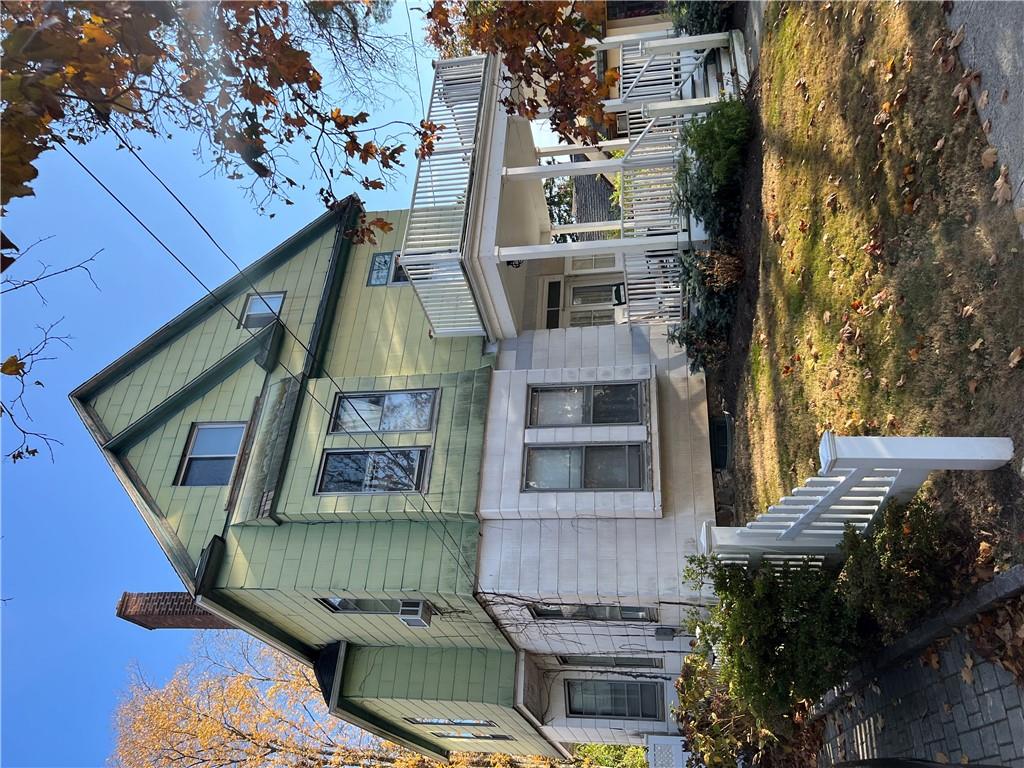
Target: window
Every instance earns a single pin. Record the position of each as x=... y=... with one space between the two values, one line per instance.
x=622 y=699
x=360 y=605
x=379 y=471
x=593 y=612
x=385 y=412
x=385 y=270
x=468 y=735
x=594 y=304
x=450 y=721
x=584 y=264
x=210 y=456
x=551 y=312
x=648 y=662
x=585 y=404
x=585 y=467
x=262 y=309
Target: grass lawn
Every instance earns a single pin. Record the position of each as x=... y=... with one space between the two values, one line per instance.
x=890 y=289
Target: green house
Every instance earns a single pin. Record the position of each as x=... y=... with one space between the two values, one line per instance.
x=342 y=530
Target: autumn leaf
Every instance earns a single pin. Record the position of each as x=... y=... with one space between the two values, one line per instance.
x=957 y=38
x=1015 y=357
x=988 y=157
x=983 y=99
x=1003 y=194
x=13 y=366
x=977 y=345
x=939 y=144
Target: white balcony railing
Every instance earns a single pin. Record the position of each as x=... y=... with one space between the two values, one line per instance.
x=432 y=251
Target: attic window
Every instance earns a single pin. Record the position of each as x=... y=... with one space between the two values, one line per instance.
x=261 y=309
x=210 y=456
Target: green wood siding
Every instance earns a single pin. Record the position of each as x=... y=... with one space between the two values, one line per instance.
x=197 y=512
x=180 y=361
x=455 y=683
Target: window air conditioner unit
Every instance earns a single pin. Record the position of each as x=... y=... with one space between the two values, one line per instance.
x=415 y=613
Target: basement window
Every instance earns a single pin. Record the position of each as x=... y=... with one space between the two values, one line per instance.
x=211 y=453
x=262 y=309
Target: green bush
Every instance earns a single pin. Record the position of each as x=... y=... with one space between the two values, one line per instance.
x=715 y=726
x=699 y=17
x=783 y=635
x=705 y=334
x=905 y=566
x=709 y=175
x=609 y=756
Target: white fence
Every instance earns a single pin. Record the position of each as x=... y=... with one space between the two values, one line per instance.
x=858 y=476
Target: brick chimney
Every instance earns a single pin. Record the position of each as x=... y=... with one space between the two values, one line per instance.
x=166 y=610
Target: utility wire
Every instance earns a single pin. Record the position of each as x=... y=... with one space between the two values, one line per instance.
x=459 y=558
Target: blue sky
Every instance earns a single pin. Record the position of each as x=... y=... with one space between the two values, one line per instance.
x=72 y=540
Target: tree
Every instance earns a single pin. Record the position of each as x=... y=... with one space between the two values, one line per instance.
x=237 y=702
x=243 y=76
x=543 y=46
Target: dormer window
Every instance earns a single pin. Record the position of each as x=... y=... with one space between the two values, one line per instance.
x=262 y=309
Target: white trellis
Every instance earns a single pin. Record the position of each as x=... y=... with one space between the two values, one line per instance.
x=858 y=476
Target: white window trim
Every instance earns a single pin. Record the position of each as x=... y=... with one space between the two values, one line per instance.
x=393 y=264
x=646 y=470
x=662 y=708
x=616 y=268
x=644 y=401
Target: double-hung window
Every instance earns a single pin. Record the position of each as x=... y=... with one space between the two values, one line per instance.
x=386 y=470
x=211 y=453
x=262 y=309
x=385 y=412
x=592 y=467
x=571 y=612
x=586 y=404
x=385 y=270
x=619 y=699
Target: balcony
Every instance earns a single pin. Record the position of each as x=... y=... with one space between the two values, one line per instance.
x=480 y=247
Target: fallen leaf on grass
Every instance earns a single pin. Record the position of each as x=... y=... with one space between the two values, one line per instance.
x=977 y=345
x=890 y=69
x=902 y=381
x=939 y=46
x=826 y=317
x=961 y=92
x=988 y=157
x=1003 y=193
x=946 y=63
x=832 y=202
x=1016 y=356
x=957 y=38
x=939 y=144
x=987 y=126
x=967 y=311
x=913 y=353
x=972 y=386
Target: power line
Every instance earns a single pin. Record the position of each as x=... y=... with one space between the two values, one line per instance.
x=458 y=557
x=415 y=59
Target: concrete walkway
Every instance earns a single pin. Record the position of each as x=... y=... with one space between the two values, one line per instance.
x=994 y=45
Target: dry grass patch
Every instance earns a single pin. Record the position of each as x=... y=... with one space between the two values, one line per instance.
x=891 y=287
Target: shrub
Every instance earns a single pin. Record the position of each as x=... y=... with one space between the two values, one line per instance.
x=783 y=635
x=705 y=333
x=609 y=756
x=895 y=575
x=722 y=270
x=716 y=728
x=699 y=17
x=710 y=170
